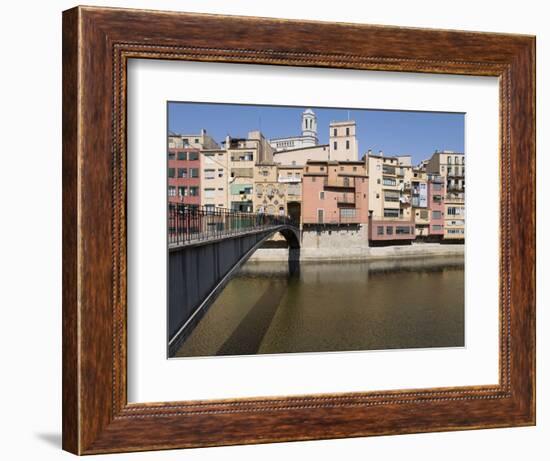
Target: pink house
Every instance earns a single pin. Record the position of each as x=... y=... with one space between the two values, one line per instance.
x=184 y=176
x=334 y=193
x=436 y=204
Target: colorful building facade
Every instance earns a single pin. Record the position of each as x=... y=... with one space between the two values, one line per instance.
x=323 y=185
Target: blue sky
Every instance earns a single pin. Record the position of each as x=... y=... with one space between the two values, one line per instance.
x=394 y=132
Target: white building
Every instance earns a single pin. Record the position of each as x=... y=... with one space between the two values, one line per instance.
x=343 y=141
x=308 y=138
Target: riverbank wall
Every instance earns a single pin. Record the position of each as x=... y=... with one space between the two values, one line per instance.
x=362 y=253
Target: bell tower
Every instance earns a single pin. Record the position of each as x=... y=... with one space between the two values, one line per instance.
x=309 y=125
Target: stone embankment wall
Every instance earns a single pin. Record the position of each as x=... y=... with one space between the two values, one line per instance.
x=352 y=244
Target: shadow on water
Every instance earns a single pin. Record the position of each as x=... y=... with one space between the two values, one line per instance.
x=248 y=336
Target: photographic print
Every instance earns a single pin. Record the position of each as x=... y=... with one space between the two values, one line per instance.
x=313 y=229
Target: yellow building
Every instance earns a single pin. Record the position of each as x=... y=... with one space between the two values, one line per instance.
x=214 y=178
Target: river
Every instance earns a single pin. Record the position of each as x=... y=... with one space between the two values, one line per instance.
x=269 y=308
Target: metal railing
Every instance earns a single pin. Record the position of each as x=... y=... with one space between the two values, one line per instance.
x=190 y=224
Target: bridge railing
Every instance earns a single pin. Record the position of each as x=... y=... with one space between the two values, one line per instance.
x=191 y=223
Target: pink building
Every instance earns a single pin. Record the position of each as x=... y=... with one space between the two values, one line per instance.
x=334 y=193
x=398 y=231
x=436 y=204
x=184 y=175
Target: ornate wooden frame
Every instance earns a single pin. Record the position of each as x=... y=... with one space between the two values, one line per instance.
x=97 y=43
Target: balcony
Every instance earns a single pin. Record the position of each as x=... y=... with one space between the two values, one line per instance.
x=340 y=182
x=454 y=198
x=290 y=179
x=345 y=199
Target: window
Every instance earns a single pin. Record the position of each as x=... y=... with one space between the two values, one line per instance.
x=185 y=141
x=193 y=155
x=391 y=196
x=379 y=230
x=194 y=191
x=196 y=140
x=403 y=230
x=389 y=181
x=171 y=172
x=322 y=168
x=436 y=214
x=437 y=227
x=172 y=191
x=347 y=144
x=335 y=145
x=171 y=156
x=209 y=193
x=389 y=230
x=220 y=172
x=182 y=172
x=347 y=212
x=293 y=189
x=455 y=211
x=193 y=172
x=322 y=195
x=209 y=174
x=436 y=186
x=391 y=213
x=335 y=132
x=354 y=168
x=182 y=191
x=182 y=155
x=320 y=216
x=455 y=231
x=347 y=131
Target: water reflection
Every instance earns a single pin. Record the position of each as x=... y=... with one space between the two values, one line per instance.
x=274 y=307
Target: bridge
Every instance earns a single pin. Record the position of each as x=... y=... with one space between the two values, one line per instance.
x=206 y=247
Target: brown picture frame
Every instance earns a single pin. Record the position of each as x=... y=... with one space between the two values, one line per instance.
x=97 y=43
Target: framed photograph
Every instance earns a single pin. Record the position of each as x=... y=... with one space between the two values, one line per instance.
x=268 y=236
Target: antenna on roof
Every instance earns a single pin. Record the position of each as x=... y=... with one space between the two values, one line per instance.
x=348 y=115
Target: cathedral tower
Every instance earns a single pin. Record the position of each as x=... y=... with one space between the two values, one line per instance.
x=309 y=125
